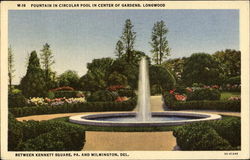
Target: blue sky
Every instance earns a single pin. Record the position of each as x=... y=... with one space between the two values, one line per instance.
x=78 y=36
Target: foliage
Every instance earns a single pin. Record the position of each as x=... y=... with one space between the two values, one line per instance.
x=64 y=88
x=223 y=105
x=44 y=136
x=97 y=75
x=128 y=39
x=15 y=134
x=50 y=95
x=200 y=136
x=201 y=68
x=128 y=105
x=51 y=136
x=33 y=84
x=119 y=49
x=68 y=94
x=204 y=94
x=16 y=99
x=233 y=80
x=102 y=96
x=117 y=79
x=230 y=61
x=47 y=61
x=126 y=93
x=11 y=69
x=175 y=66
x=162 y=77
x=230 y=129
x=69 y=78
x=160 y=48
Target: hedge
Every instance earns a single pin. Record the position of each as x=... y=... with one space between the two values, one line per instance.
x=66 y=94
x=80 y=107
x=204 y=94
x=126 y=93
x=215 y=135
x=44 y=136
x=225 y=105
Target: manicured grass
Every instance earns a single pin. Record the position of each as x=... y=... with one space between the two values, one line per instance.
x=123 y=129
x=226 y=95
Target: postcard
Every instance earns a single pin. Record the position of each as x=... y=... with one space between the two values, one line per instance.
x=124 y=80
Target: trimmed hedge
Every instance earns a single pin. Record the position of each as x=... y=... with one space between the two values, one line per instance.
x=204 y=94
x=44 y=136
x=197 y=136
x=225 y=105
x=102 y=96
x=126 y=93
x=16 y=100
x=66 y=94
x=70 y=108
x=223 y=134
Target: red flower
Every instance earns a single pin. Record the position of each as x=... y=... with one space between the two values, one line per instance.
x=172 y=91
x=179 y=97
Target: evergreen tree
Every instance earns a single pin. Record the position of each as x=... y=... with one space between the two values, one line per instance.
x=32 y=84
x=47 y=61
x=119 y=49
x=11 y=69
x=160 y=48
x=128 y=39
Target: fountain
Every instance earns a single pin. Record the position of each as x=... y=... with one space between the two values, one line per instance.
x=143 y=117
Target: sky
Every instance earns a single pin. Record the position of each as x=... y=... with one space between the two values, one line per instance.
x=77 y=37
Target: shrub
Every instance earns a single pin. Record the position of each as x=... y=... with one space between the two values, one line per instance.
x=14 y=133
x=66 y=94
x=16 y=100
x=102 y=96
x=50 y=95
x=200 y=136
x=126 y=93
x=78 y=107
x=51 y=136
x=225 y=105
x=229 y=129
x=204 y=94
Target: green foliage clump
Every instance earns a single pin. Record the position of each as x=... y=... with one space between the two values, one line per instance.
x=200 y=136
x=128 y=105
x=201 y=68
x=69 y=78
x=230 y=129
x=33 y=84
x=221 y=105
x=102 y=96
x=204 y=94
x=16 y=99
x=224 y=134
x=44 y=136
x=51 y=136
x=126 y=93
x=15 y=133
x=66 y=94
x=162 y=77
x=117 y=79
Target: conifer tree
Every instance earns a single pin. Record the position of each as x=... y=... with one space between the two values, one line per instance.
x=33 y=84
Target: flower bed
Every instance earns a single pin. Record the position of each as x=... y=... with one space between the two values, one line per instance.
x=39 y=101
x=75 y=107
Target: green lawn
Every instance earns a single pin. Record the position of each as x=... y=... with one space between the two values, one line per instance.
x=226 y=95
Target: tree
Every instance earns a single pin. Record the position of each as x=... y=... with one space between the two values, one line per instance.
x=69 y=78
x=230 y=62
x=32 y=84
x=160 y=76
x=97 y=76
x=160 y=48
x=201 y=68
x=47 y=61
x=117 y=79
x=119 y=49
x=128 y=39
x=11 y=69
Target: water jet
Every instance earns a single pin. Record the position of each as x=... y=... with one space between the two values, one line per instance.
x=144 y=116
